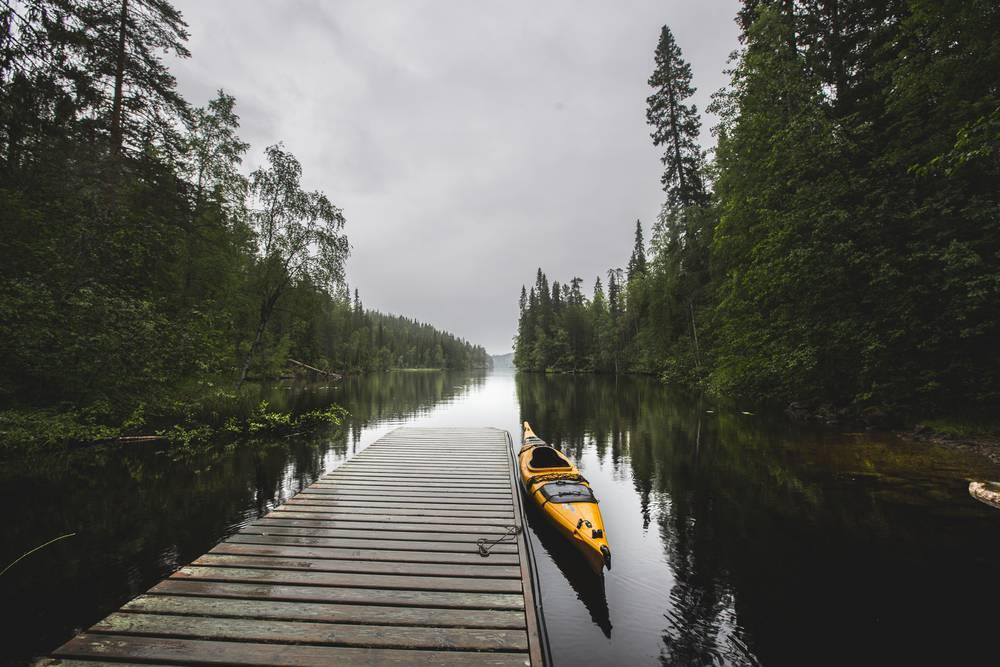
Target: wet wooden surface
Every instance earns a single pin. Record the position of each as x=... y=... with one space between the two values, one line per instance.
x=376 y=563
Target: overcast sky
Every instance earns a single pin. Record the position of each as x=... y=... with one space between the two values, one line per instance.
x=468 y=143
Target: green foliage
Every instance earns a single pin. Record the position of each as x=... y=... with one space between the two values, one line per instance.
x=848 y=273
x=849 y=250
x=675 y=124
x=138 y=266
x=43 y=428
x=265 y=420
x=260 y=421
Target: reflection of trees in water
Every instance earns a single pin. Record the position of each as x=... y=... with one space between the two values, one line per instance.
x=589 y=587
x=374 y=398
x=393 y=396
x=782 y=540
x=140 y=511
x=377 y=398
x=642 y=473
x=671 y=459
x=701 y=621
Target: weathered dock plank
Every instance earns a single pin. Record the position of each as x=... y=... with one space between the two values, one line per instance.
x=324 y=612
x=425 y=523
x=376 y=563
x=367 y=555
x=385 y=534
x=344 y=595
x=427 y=551
x=395 y=542
x=409 y=583
x=315 y=565
x=297 y=632
x=193 y=651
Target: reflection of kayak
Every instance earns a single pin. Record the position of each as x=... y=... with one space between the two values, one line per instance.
x=986 y=492
x=564 y=497
x=588 y=588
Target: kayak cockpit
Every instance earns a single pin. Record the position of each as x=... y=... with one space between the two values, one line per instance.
x=546 y=457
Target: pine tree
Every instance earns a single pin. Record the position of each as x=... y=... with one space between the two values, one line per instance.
x=122 y=42
x=637 y=262
x=676 y=125
x=99 y=60
x=557 y=298
x=576 y=294
x=614 y=292
x=600 y=352
x=524 y=340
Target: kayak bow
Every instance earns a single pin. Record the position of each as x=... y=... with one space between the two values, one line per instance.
x=564 y=496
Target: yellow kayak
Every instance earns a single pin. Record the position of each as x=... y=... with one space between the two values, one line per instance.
x=564 y=496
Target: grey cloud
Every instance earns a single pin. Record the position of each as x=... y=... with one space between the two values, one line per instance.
x=468 y=143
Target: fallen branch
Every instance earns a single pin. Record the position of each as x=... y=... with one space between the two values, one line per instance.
x=139 y=438
x=328 y=373
x=40 y=546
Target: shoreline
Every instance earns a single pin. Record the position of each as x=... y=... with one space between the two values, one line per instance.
x=984 y=444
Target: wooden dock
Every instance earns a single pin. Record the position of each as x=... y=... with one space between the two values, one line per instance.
x=376 y=563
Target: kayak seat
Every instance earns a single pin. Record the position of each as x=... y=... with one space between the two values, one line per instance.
x=546 y=457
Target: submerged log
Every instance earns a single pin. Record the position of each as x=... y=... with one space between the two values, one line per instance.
x=986 y=492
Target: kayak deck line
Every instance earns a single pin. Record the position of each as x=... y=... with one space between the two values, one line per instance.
x=414 y=551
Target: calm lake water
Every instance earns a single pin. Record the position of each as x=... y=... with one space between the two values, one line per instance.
x=737 y=539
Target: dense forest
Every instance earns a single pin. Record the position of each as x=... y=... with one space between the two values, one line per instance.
x=138 y=262
x=841 y=243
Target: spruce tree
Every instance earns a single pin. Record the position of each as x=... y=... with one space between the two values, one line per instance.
x=123 y=43
x=676 y=125
x=576 y=294
x=599 y=302
x=95 y=60
x=637 y=262
x=614 y=292
x=601 y=332
x=524 y=340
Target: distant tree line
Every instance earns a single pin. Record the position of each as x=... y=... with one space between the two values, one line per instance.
x=843 y=242
x=364 y=340
x=137 y=261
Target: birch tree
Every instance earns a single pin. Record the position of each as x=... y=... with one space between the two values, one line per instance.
x=299 y=238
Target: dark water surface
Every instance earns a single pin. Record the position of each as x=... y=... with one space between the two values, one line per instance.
x=737 y=539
